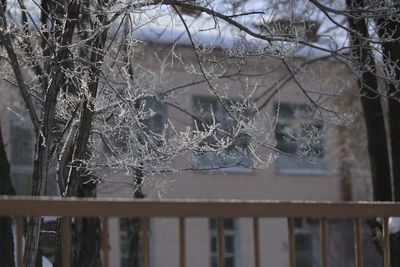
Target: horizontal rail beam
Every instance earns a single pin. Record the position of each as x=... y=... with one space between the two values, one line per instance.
x=118 y=207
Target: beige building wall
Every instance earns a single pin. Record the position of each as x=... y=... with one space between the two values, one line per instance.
x=254 y=184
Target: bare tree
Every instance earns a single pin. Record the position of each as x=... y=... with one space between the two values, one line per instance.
x=81 y=93
x=90 y=100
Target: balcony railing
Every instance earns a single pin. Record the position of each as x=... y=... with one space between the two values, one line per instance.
x=20 y=207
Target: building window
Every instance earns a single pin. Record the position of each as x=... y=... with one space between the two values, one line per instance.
x=130 y=242
x=300 y=138
x=22 y=149
x=210 y=113
x=305 y=30
x=152 y=122
x=306 y=250
x=229 y=241
x=155 y=122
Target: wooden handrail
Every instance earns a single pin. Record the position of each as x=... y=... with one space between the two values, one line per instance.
x=184 y=208
x=117 y=207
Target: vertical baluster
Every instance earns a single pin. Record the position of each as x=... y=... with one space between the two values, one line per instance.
x=145 y=239
x=20 y=244
x=291 y=242
x=104 y=242
x=220 y=242
x=256 y=239
x=182 y=242
x=324 y=243
x=386 y=243
x=66 y=242
x=357 y=242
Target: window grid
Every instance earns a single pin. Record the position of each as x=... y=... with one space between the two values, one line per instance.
x=230 y=241
x=236 y=157
x=301 y=137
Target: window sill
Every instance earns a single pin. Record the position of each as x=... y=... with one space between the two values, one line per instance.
x=302 y=172
x=227 y=170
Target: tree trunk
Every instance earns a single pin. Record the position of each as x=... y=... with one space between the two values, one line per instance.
x=344 y=167
x=371 y=104
x=132 y=227
x=6 y=188
x=86 y=239
x=373 y=112
x=389 y=29
x=87 y=231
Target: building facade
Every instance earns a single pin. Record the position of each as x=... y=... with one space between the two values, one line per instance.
x=304 y=170
x=312 y=175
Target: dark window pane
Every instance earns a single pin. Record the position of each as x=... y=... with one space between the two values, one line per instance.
x=229 y=244
x=283 y=110
x=209 y=110
x=303 y=243
x=129 y=241
x=214 y=261
x=213 y=244
x=300 y=138
x=229 y=224
x=213 y=223
x=304 y=247
x=22 y=182
x=304 y=261
x=286 y=143
x=155 y=123
x=204 y=107
x=292 y=110
x=22 y=144
x=299 y=223
x=229 y=262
